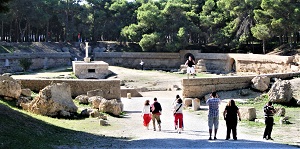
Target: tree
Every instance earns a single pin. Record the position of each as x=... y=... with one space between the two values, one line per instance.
x=261 y=32
x=3 y=5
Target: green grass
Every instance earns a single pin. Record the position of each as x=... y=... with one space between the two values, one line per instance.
x=6 y=49
x=21 y=129
x=259 y=102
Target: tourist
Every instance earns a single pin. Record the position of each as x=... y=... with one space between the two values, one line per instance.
x=142 y=64
x=156 y=112
x=213 y=114
x=178 y=115
x=146 y=114
x=174 y=104
x=190 y=66
x=230 y=114
x=269 y=112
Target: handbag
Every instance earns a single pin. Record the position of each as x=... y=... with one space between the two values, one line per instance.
x=177 y=109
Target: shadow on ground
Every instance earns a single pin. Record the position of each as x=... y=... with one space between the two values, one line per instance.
x=19 y=130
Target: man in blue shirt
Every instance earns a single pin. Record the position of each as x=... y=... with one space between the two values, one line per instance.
x=213 y=114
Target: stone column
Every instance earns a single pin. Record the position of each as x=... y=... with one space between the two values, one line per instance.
x=87 y=59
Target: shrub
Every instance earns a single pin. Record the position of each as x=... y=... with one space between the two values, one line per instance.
x=25 y=63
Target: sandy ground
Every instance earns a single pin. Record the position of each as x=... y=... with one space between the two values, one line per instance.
x=195 y=134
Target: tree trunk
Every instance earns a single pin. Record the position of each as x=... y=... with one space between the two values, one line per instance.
x=264 y=46
x=2 y=30
x=47 y=30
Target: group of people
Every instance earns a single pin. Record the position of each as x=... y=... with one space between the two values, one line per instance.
x=153 y=112
x=231 y=115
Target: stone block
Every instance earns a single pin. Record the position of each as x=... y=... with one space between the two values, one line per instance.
x=248 y=113
x=196 y=104
x=128 y=95
x=103 y=122
x=97 y=92
x=26 y=92
x=188 y=101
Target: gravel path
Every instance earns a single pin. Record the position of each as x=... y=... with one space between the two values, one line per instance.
x=195 y=134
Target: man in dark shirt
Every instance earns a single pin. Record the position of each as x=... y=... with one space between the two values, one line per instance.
x=190 y=66
x=269 y=121
x=156 y=112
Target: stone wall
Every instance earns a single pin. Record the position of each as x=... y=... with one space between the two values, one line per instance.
x=214 y=62
x=249 y=63
x=198 y=87
x=111 y=88
x=9 y=62
x=162 y=61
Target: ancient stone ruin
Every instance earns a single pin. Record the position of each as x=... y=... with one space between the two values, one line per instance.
x=53 y=100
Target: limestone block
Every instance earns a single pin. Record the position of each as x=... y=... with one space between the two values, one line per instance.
x=113 y=106
x=26 y=92
x=260 y=83
x=95 y=113
x=22 y=101
x=248 y=113
x=97 y=92
x=10 y=87
x=281 y=92
x=96 y=100
x=83 y=99
x=52 y=100
x=103 y=122
x=128 y=95
x=187 y=101
x=196 y=104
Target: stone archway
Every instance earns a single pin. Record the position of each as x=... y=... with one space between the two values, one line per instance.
x=186 y=56
x=232 y=66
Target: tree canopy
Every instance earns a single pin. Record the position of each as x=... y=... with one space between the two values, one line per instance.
x=156 y=25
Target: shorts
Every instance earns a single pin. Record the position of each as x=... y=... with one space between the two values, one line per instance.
x=190 y=70
x=213 y=121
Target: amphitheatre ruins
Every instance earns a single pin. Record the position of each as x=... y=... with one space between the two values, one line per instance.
x=237 y=70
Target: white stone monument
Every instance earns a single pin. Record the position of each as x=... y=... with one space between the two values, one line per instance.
x=88 y=69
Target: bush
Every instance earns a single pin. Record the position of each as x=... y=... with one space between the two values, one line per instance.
x=25 y=63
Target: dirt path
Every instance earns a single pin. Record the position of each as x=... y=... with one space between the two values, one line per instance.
x=195 y=134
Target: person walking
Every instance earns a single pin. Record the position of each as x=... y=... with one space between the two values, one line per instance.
x=156 y=112
x=174 y=104
x=213 y=114
x=146 y=114
x=190 y=66
x=230 y=114
x=178 y=115
x=269 y=121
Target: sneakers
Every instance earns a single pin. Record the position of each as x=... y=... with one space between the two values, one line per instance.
x=159 y=128
x=215 y=138
x=209 y=138
x=179 y=130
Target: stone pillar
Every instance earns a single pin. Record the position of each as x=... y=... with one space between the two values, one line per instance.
x=6 y=63
x=86 y=49
x=196 y=104
x=87 y=59
x=129 y=95
x=45 y=64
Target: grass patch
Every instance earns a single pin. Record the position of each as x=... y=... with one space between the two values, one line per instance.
x=21 y=129
x=259 y=102
x=6 y=49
